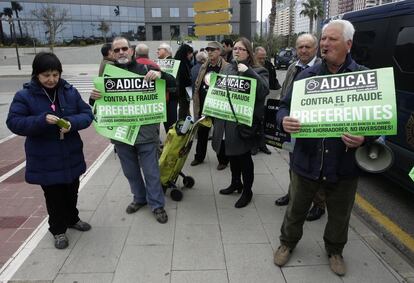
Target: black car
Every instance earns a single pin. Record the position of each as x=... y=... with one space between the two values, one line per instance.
x=285 y=58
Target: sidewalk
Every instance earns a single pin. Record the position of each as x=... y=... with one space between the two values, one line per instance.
x=205 y=240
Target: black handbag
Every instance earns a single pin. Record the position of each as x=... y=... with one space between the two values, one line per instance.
x=245 y=132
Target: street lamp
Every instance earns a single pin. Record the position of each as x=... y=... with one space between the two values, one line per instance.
x=9 y=19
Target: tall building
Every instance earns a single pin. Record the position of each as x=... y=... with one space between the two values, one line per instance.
x=282 y=20
x=301 y=22
x=137 y=19
x=345 y=6
x=333 y=8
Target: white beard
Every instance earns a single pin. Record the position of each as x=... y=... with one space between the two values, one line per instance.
x=122 y=60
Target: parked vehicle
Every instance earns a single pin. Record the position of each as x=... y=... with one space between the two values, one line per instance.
x=285 y=57
x=384 y=37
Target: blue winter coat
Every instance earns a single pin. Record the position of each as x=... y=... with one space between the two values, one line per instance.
x=321 y=158
x=50 y=160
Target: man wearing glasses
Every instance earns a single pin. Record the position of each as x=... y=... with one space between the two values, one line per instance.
x=143 y=154
x=215 y=63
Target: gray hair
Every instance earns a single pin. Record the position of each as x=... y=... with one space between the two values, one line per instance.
x=259 y=48
x=142 y=50
x=167 y=47
x=121 y=38
x=308 y=36
x=348 y=29
x=201 y=57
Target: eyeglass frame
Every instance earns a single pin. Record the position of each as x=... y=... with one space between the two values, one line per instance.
x=117 y=50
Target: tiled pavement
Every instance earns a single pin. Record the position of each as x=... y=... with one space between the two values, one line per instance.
x=205 y=240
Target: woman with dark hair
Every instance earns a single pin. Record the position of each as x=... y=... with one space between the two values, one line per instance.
x=226 y=133
x=184 y=54
x=49 y=112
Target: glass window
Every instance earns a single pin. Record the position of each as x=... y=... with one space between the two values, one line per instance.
x=190 y=12
x=363 y=46
x=85 y=12
x=404 y=49
x=156 y=33
x=156 y=12
x=75 y=11
x=105 y=12
x=95 y=12
x=140 y=14
x=190 y=30
x=141 y=36
x=175 y=31
x=132 y=13
x=174 y=12
x=123 y=12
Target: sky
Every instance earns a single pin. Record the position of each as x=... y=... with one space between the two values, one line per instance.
x=267 y=4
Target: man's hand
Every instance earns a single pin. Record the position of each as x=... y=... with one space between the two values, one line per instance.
x=242 y=67
x=51 y=119
x=64 y=130
x=152 y=75
x=291 y=125
x=95 y=94
x=352 y=141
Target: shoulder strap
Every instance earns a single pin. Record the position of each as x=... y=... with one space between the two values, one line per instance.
x=228 y=97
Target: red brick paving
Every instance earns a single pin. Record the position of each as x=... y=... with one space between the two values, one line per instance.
x=22 y=205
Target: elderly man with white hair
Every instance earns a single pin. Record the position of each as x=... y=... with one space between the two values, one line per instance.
x=322 y=163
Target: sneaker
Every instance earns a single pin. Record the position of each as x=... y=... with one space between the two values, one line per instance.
x=265 y=149
x=81 y=226
x=337 y=264
x=161 y=215
x=282 y=255
x=134 y=207
x=61 y=241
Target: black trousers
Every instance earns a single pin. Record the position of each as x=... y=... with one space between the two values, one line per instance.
x=242 y=166
x=61 y=200
x=171 y=113
x=184 y=106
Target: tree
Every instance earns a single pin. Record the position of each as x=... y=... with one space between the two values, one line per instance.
x=291 y=21
x=104 y=29
x=313 y=10
x=1 y=29
x=16 y=7
x=272 y=17
x=53 y=19
x=8 y=12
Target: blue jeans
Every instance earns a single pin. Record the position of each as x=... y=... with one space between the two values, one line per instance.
x=142 y=156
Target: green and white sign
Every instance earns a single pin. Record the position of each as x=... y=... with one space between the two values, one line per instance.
x=242 y=91
x=360 y=103
x=129 y=100
x=125 y=134
x=170 y=66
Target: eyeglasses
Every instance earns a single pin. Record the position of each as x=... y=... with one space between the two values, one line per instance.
x=239 y=48
x=125 y=49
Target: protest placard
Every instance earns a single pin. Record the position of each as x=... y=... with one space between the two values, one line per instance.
x=242 y=92
x=170 y=66
x=128 y=99
x=360 y=103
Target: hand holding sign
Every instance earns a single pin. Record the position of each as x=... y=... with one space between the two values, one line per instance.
x=152 y=75
x=242 y=67
x=352 y=141
x=291 y=125
x=95 y=94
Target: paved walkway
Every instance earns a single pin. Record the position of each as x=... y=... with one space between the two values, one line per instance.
x=205 y=240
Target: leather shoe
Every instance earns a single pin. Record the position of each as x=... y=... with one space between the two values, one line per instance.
x=244 y=200
x=337 y=264
x=195 y=162
x=282 y=201
x=134 y=207
x=282 y=255
x=315 y=213
x=265 y=150
x=221 y=167
x=231 y=189
x=254 y=151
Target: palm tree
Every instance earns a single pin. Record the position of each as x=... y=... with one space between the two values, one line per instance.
x=272 y=18
x=8 y=12
x=16 y=7
x=1 y=29
x=313 y=10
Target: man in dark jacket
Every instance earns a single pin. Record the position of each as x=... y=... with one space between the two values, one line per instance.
x=306 y=48
x=143 y=154
x=327 y=163
x=106 y=51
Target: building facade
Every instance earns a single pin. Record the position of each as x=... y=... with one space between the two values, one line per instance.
x=137 y=20
x=301 y=22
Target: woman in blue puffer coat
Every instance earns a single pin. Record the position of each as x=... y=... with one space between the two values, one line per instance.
x=54 y=156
